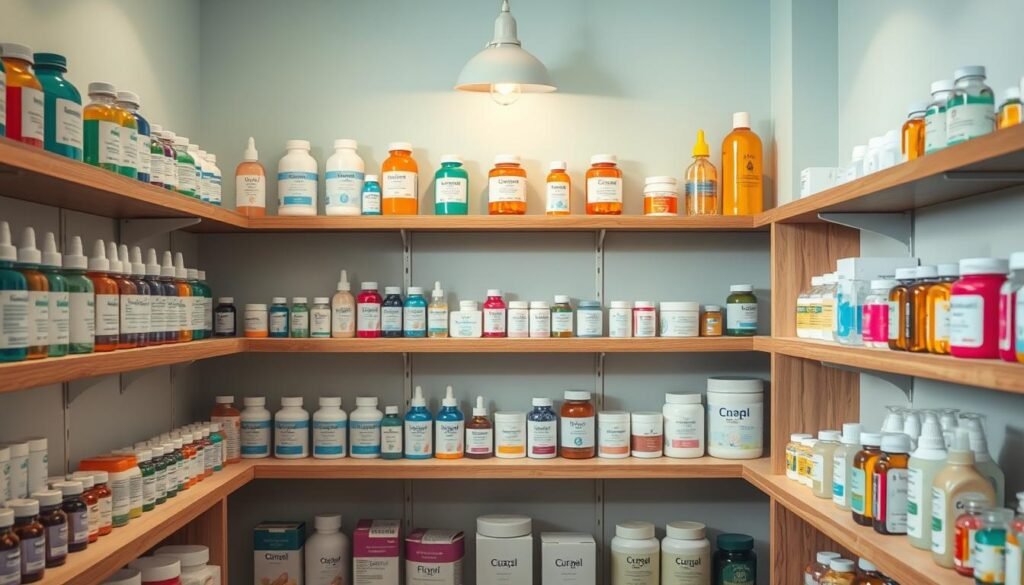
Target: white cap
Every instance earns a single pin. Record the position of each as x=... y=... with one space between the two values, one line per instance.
x=37 y=444
x=824 y=557
x=659 y=179
x=971 y=266
x=603 y=159
x=73 y=256
x=866 y=565
x=299 y=300
x=18 y=449
x=157 y=568
x=17 y=51
x=296 y=145
x=438 y=291
x=167 y=265
x=643 y=305
x=859 y=151
x=327 y=522
x=851 y=434
x=451 y=158
x=192 y=273
x=449 y=398
x=884 y=283
x=735 y=385
x=942 y=85
x=576 y=395
x=539 y=305
x=479 y=409
x=493 y=292
x=50 y=255
x=798 y=437
x=138 y=267
x=180 y=141
x=179 y=266
x=86 y=478
x=557 y=165
x=969 y=71
x=926 y=271
x=251 y=154
x=329 y=401
x=561 y=299
x=742 y=288
x=741 y=120
x=817 y=280
x=400 y=146
x=635 y=530
x=872 y=439
x=390 y=410
x=23 y=507
x=417 y=399
x=343 y=281
x=368 y=285
x=254 y=401
x=366 y=401
x=682 y=398
x=346 y=143
x=152 y=266
x=841 y=565
x=224 y=399
x=1011 y=93
x=414 y=290
x=98 y=261
x=129 y=97
x=392 y=290
x=683 y=530
x=27 y=252
x=541 y=402
x=506 y=159
x=321 y=300
x=116 y=266
x=917 y=108
x=680 y=306
x=371 y=178
x=503 y=525
x=621 y=305
x=291 y=401
x=190 y=555
x=48 y=497
x=829 y=436
x=906 y=273
x=6 y=517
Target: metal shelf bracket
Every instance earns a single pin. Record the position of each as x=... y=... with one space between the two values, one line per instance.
x=134 y=231
x=898 y=226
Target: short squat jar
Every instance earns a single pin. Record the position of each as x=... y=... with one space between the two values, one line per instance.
x=635 y=554
x=589 y=319
x=735 y=561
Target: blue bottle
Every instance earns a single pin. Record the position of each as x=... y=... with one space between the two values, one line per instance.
x=541 y=430
x=62 y=126
x=419 y=428
x=13 y=301
x=450 y=428
x=414 y=315
x=391 y=312
x=371 y=195
x=278 y=318
x=391 y=434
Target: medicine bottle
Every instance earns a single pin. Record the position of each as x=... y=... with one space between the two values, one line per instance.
x=735 y=562
x=63 y=106
x=3 y=98
x=343 y=309
x=451 y=187
x=645 y=322
x=32 y=538
x=589 y=319
x=291 y=429
x=822 y=462
x=861 y=477
x=604 y=186
x=646 y=434
x=793 y=455
x=163 y=160
x=92 y=503
x=558 y=190
x=479 y=433
x=741 y=311
x=364 y=428
x=1014 y=540
x=343 y=179
x=541 y=430
x=494 y=314
x=449 y=428
x=147 y=469
x=371 y=196
x=912 y=137
x=805 y=461
x=330 y=429
x=620 y=319
x=279 y=320
x=225 y=318
x=391 y=312
x=842 y=465
x=25 y=101
x=898 y=308
x=326 y=552
x=399 y=181
x=185 y=166
x=414 y=313
x=816 y=570
x=702 y=182
x=917 y=308
x=10 y=544
x=419 y=428
x=82 y=299
x=256 y=320
x=518 y=319
x=711 y=321
x=298 y=325
x=132 y=318
x=561 y=317
x=742 y=188
x=55 y=521
x=974 y=308
x=128 y=101
x=129 y=134
x=193 y=559
x=957 y=480
x=104 y=497
x=869 y=574
x=437 y=313
x=506 y=186
x=685 y=554
x=510 y=435
x=661 y=196
x=77 y=512
x=297 y=180
x=102 y=133
x=254 y=428
x=1009 y=297
x=251 y=183
x=368 y=311
x=968 y=523
x=970 y=111
x=1011 y=111
x=875 y=314
x=391 y=426
x=840 y=572
x=889 y=479
x=613 y=434
x=680 y=319
x=635 y=554
x=540 y=319
x=158 y=570
x=577 y=436
x=29 y=259
x=935 y=116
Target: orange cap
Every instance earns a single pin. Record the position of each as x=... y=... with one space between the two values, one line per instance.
x=108 y=463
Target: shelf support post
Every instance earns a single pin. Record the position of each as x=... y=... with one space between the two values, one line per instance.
x=133 y=231
x=904 y=383
x=898 y=226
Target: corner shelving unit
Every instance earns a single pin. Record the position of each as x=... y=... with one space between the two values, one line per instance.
x=807 y=391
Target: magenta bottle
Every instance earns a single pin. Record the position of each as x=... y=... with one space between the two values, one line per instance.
x=494 y=314
x=974 y=308
x=368 y=311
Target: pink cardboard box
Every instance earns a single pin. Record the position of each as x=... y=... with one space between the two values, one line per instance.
x=376 y=552
x=434 y=557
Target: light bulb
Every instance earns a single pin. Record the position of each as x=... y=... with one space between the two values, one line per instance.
x=505 y=93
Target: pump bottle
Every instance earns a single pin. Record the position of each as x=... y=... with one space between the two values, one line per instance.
x=951 y=486
x=449 y=428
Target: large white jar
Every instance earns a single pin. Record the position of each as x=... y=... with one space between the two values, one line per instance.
x=735 y=418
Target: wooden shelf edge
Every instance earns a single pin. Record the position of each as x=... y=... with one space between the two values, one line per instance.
x=991 y=374
x=505 y=345
x=491 y=223
x=111 y=552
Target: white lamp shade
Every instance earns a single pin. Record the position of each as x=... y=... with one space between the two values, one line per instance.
x=504 y=64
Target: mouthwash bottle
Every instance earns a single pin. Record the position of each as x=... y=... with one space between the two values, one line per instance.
x=13 y=301
x=414 y=313
x=391 y=434
x=59 y=299
x=62 y=123
x=451 y=187
x=418 y=428
x=450 y=429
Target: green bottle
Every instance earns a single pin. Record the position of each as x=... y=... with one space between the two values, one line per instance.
x=60 y=299
x=62 y=128
x=13 y=301
x=197 y=316
x=451 y=187
x=299 y=317
x=81 y=300
x=186 y=168
x=391 y=427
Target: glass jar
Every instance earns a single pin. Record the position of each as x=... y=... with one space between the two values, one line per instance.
x=32 y=538
x=225 y=318
x=506 y=186
x=965 y=527
x=55 y=520
x=869 y=574
x=577 y=437
x=814 y=572
x=735 y=562
x=711 y=321
x=741 y=311
x=77 y=512
x=604 y=186
x=912 y=138
x=10 y=555
x=989 y=547
x=875 y=314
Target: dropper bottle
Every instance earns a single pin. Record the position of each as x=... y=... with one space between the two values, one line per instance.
x=140 y=304
x=14 y=300
x=108 y=307
x=82 y=301
x=437 y=313
x=128 y=333
x=449 y=429
x=479 y=433
x=702 y=182
x=184 y=298
x=418 y=428
x=174 y=316
x=50 y=266
x=158 y=306
x=343 y=309
x=251 y=183
x=29 y=259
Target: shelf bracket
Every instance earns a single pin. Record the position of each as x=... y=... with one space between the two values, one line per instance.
x=904 y=383
x=898 y=226
x=134 y=231
x=599 y=265
x=406 y=259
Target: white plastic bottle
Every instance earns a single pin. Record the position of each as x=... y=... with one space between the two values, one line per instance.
x=297 y=180
x=327 y=552
x=330 y=429
x=635 y=554
x=685 y=554
x=364 y=429
x=925 y=463
x=291 y=429
x=842 y=465
x=344 y=173
x=684 y=425
x=255 y=431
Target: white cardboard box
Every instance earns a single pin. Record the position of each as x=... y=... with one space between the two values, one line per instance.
x=504 y=561
x=376 y=552
x=872 y=268
x=816 y=179
x=568 y=558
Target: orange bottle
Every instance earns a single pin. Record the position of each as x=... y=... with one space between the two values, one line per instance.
x=24 y=96
x=126 y=339
x=108 y=300
x=251 y=183
x=1011 y=112
x=230 y=420
x=912 y=141
x=898 y=308
x=399 y=181
x=29 y=259
x=604 y=186
x=917 y=308
x=184 y=293
x=506 y=187
x=937 y=301
x=558 y=196
x=742 y=182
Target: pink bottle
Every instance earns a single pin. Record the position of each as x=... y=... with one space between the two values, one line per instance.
x=974 y=308
x=875 y=314
x=494 y=314
x=368 y=311
x=1008 y=300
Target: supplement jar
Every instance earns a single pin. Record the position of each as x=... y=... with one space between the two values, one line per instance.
x=974 y=308
x=684 y=425
x=635 y=554
x=646 y=434
x=735 y=561
x=741 y=311
x=604 y=186
x=735 y=418
x=817 y=569
x=73 y=505
x=32 y=537
x=506 y=186
x=589 y=321
x=561 y=317
x=613 y=434
x=577 y=440
x=680 y=319
x=620 y=319
x=55 y=520
x=711 y=321
x=291 y=429
x=540 y=319
x=661 y=196
x=158 y=570
x=10 y=557
x=255 y=428
x=193 y=559
x=256 y=320
x=518 y=319
x=297 y=182
x=364 y=429
x=542 y=430
x=504 y=549
x=685 y=555
x=125 y=577
x=644 y=320
x=330 y=429
x=224 y=317
x=510 y=435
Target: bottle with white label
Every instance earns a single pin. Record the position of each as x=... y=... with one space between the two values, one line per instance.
x=957 y=479
x=506 y=186
x=542 y=430
x=291 y=429
x=251 y=183
x=343 y=173
x=419 y=428
x=494 y=314
x=25 y=102
x=451 y=187
x=330 y=429
x=842 y=465
x=29 y=259
x=297 y=178
x=364 y=429
x=255 y=428
x=63 y=106
x=604 y=185
x=925 y=463
x=399 y=177
x=368 y=306
x=558 y=190
x=935 y=116
x=343 y=309
x=449 y=428
x=889 y=485
x=391 y=427
x=320 y=317
x=107 y=299
x=635 y=554
x=327 y=553
x=81 y=299
x=518 y=319
x=971 y=109
x=479 y=433
x=14 y=305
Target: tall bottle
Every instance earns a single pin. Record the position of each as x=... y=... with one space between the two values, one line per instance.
x=399 y=181
x=742 y=183
x=842 y=465
x=25 y=102
x=450 y=429
x=558 y=190
x=128 y=317
x=437 y=313
x=251 y=183
x=917 y=308
x=108 y=306
x=185 y=167
x=129 y=101
x=63 y=118
x=343 y=175
x=898 y=308
x=951 y=486
x=889 y=511
x=129 y=134
x=702 y=182
x=925 y=463
x=343 y=309
x=13 y=300
x=982 y=458
x=29 y=259
x=937 y=308
x=81 y=300
x=861 y=493
x=479 y=433
x=197 y=314
x=185 y=297
x=419 y=429
x=912 y=133
x=175 y=303
x=935 y=116
x=158 y=302
x=142 y=305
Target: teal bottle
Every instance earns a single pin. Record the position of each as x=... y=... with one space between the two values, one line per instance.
x=450 y=426
x=82 y=300
x=198 y=316
x=451 y=187
x=419 y=428
x=62 y=119
x=278 y=317
x=13 y=301
x=391 y=434
x=60 y=300
x=414 y=314
x=371 y=195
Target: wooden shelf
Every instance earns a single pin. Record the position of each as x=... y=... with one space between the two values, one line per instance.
x=979 y=166
x=505 y=345
x=492 y=223
x=494 y=468
x=125 y=544
x=992 y=374
x=893 y=554
x=31 y=373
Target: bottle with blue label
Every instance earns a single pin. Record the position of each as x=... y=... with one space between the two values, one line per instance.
x=451 y=187
x=291 y=429
x=414 y=313
x=364 y=425
x=450 y=429
x=419 y=428
x=254 y=435
x=391 y=434
x=343 y=174
x=330 y=429
x=371 y=195
x=297 y=177
x=278 y=318
x=391 y=312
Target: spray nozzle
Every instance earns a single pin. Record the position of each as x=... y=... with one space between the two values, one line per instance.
x=449 y=398
x=481 y=410
x=343 y=281
x=438 y=292
x=417 y=398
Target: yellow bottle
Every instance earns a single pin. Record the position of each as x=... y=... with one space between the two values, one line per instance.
x=1011 y=112
x=742 y=183
x=702 y=182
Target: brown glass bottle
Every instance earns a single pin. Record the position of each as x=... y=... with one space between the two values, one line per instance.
x=107 y=299
x=77 y=512
x=32 y=539
x=577 y=436
x=898 y=308
x=127 y=291
x=861 y=488
x=56 y=522
x=917 y=309
x=9 y=544
x=889 y=485
x=479 y=433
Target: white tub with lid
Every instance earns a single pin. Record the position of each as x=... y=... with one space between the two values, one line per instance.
x=735 y=418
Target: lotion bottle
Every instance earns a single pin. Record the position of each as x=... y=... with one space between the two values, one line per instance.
x=343 y=309
x=251 y=184
x=952 y=484
x=925 y=463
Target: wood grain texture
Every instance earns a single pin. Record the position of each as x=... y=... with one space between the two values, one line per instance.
x=508 y=223
x=505 y=345
x=125 y=544
x=794 y=542
x=209 y=529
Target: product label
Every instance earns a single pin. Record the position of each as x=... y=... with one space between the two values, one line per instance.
x=186 y=176
x=701 y=189
x=1014 y=564
x=57 y=540
x=737 y=574
x=296 y=188
x=291 y=437
x=300 y=323
x=390 y=319
x=742 y=316
x=196 y=313
x=82 y=325
x=506 y=189
x=479 y=441
x=971 y=117
x=557 y=197
x=518 y=323
x=33 y=555
x=680 y=324
x=32 y=109
x=106 y=510
x=577 y=432
x=604 y=190
x=588 y=323
x=255 y=438
x=989 y=559
x=279 y=322
x=510 y=440
x=250 y=191
x=935 y=129
x=449 y=437
x=320 y=323
x=643 y=323
x=839 y=493
x=437 y=320
x=967 y=321
x=170 y=170
x=915 y=501
x=329 y=437
x=39 y=318
x=735 y=427
x=368 y=317
x=540 y=323
x=399 y=185
x=414 y=319
x=59 y=310
x=494 y=321
x=158 y=313
x=561 y=322
x=634 y=568
x=619 y=323
x=149 y=489
x=343 y=189
x=68 y=126
x=660 y=202
x=451 y=190
x=684 y=433
x=108 y=311
x=371 y=202
x=891 y=503
x=109 y=147
x=225 y=323
x=894 y=320
x=134 y=314
x=144 y=157
x=231 y=428
x=680 y=569
x=391 y=439
x=858 y=487
x=121 y=500
x=817 y=468
x=541 y=438
x=130 y=148
x=940 y=524
x=10 y=560
x=418 y=437
x=364 y=437
x=343 y=319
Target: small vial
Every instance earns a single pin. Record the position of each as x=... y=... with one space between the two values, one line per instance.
x=437 y=313
x=371 y=195
x=912 y=141
x=479 y=433
x=391 y=427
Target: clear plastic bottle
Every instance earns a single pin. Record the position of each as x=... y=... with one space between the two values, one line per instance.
x=437 y=313
x=702 y=182
x=251 y=183
x=822 y=456
x=828 y=315
x=971 y=109
x=935 y=116
x=814 y=307
x=842 y=465
x=343 y=309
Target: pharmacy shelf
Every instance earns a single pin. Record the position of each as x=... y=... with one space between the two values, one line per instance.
x=113 y=551
x=992 y=374
x=494 y=468
x=32 y=373
x=32 y=174
x=893 y=554
x=504 y=345
x=508 y=223
x=982 y=165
